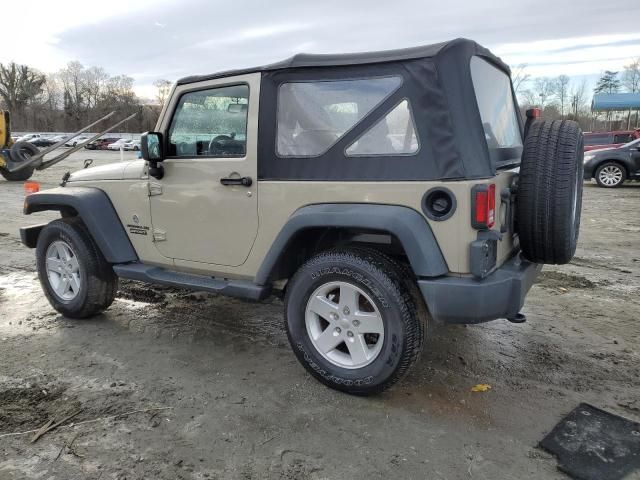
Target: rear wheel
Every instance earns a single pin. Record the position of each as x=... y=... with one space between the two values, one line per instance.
x=75 y=277
x=610 y=175
x=352 y=322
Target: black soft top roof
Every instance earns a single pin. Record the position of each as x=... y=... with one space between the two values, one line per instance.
x=303 y=60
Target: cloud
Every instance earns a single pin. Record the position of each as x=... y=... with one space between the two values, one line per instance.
x=150 y=39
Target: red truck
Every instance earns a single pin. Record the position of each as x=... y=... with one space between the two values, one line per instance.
x=597 y=140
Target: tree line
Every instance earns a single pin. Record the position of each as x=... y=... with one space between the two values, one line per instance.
x=561 y=98
x=76 y=95
x=73 y=97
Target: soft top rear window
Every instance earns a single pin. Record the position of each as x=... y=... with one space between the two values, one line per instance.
x=498 y=112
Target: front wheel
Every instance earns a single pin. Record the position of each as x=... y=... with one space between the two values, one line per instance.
x=352 y=322
x=75 y=277
x=610 y=175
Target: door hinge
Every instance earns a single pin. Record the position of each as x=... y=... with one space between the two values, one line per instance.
x=159 y=235
x=155 y=189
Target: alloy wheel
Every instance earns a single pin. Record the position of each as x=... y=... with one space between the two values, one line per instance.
x=611 y=175
x=344 y=325
x=63 y=270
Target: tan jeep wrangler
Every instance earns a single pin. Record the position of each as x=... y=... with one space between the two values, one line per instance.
x=376 y=192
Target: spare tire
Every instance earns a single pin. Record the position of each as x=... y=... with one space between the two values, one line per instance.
x=20 y=152
x=550 y=191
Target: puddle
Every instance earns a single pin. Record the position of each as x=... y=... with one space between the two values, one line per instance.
x=21 y=302
x=16 y=285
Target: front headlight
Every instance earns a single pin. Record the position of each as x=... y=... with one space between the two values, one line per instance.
x=588 y=157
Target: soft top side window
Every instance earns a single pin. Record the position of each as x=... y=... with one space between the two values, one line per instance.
x=312 y=116
x=210 y=122
x=392 y=135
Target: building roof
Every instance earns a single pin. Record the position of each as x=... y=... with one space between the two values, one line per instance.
x=306 y=60
x=615 y=101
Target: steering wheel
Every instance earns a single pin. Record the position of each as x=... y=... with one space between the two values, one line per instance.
x=216 y=145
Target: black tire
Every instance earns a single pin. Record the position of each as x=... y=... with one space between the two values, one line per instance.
x=618 y=177
x=20 y=152
x=385 y=283
x=98 y=282
x=550 y=191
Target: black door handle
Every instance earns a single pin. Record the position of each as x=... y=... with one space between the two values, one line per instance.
x=244 y=181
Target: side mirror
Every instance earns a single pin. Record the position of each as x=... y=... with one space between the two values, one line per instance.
x=151 y=147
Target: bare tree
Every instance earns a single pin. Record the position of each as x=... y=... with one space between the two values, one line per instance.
x=19 y=85
x=578 y=97
x=561 y=91
x=631 y=83
x=164 y=87
x=74 y=91
x=540 y=93
x=95 y=79
x=631 y=76
x=519 y=77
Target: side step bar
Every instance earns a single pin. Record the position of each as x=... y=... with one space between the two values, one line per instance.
x=161 y=276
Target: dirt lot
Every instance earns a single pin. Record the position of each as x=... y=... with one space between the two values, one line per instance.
x=232 y=402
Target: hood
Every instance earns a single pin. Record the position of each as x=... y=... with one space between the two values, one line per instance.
x=114 y=171
x=600 y=150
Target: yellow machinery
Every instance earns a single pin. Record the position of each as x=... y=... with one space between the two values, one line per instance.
x=5 y=130
x=18 y=160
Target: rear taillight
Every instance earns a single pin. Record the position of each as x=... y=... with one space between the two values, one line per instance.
x=483 y=214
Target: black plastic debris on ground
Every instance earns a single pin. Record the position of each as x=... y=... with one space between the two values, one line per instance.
x=592 y=444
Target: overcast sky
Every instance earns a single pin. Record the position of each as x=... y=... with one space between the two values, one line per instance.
x=151 y=39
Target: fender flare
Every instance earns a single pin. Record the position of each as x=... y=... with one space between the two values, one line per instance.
x=96 y=211
x=406 y=224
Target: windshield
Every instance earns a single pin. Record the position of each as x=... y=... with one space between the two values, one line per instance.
x=632 y=143
x=498 y=112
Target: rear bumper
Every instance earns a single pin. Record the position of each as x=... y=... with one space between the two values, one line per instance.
x=468 y=300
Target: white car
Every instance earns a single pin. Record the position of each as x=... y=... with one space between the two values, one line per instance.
x=119 y=144
x=132 y=145
x=75 y=141
x=29 y=137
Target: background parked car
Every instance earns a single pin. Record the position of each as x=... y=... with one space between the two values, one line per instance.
x=132 y=145
x=75 y=141
x=28 y=137
x=598 y=140
x=612 y=166
x=42 y=141
x=101 y=143
x=119 y=144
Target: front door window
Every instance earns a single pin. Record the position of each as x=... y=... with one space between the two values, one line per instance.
x=210 y=123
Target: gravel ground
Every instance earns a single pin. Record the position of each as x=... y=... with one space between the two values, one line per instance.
x=216 y=393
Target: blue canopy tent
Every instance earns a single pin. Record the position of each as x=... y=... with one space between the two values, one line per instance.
x=615 y=102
